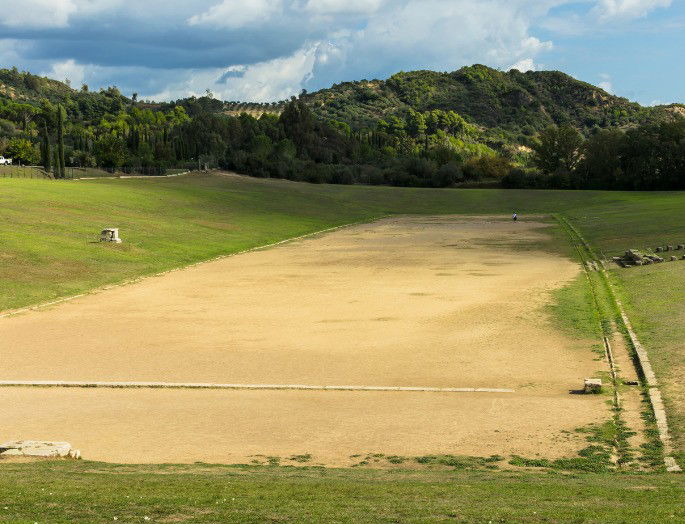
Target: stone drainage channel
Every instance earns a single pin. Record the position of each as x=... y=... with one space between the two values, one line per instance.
x=591 y=262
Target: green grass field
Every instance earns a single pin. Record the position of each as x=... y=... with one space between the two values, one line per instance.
x=49 y=249
x=94 y=492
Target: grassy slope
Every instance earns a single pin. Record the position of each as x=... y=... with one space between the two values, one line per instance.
x=45 y=251
x=653 y=295
x=68 y=492
x=48 y=228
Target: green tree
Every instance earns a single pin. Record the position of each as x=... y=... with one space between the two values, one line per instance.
x=558 y=148
x=110 y=151
x=61 y=172
x=22 y=150
x=600 y=166
x=416 y=124
x=45 y=151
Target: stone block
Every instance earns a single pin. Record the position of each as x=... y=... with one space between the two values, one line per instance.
x=593 y=385
x=35 y=448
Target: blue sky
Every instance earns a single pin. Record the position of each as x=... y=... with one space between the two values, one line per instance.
x=264 y=50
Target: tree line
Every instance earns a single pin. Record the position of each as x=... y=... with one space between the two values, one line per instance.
x=646 y=157
x=407 y=147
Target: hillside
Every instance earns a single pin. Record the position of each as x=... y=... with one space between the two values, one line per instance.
x=510 y=104
x=26 y=88
x=417 y=129
x=520 y=104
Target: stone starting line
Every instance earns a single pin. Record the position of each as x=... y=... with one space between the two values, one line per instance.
x=272 y=387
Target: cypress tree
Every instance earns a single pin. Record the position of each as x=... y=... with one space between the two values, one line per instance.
x=55 y=163
x=60 y=141
x=45 y=153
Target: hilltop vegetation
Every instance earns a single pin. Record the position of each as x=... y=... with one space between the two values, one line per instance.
x=515 y=106
x=421 y=129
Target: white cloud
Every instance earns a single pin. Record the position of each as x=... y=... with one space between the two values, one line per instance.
x=627 y=9
x=607 y=86
x=10 y=51
x=37 y=13
x=524 y=65
x=68 y=70
x=49 y=13
x=234 y=14
x=441 y=34
x=380 y=36
x=606 y=83
x=343 y=6
x=271 y=80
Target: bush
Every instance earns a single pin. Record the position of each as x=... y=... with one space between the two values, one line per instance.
x=447 y=175
x=487 y=167
x=21 y=150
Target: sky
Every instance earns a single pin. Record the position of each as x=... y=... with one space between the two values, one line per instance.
x=268 y=50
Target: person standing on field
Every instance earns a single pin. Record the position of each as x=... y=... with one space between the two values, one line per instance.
x=515 y=217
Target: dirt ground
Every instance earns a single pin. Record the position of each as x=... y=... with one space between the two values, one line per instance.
x=438 y=302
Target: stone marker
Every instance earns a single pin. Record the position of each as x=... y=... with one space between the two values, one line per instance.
x=38 y=448
x=110 y=234
x=673 y=259
x=669 y=248
x=680 y=246
x=659 y=249
x=593 y=385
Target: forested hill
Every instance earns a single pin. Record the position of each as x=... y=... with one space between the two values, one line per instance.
x=423 y=128
x=510 y=107
x=519 y=104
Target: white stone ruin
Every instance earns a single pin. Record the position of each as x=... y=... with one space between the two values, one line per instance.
x=36 y=448
x=593 y=385
x=110 y=234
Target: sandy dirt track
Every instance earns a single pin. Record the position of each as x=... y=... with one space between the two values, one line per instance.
x=439 y=302
x=143 y=426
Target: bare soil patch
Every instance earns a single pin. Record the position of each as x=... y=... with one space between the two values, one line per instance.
x=438 y=302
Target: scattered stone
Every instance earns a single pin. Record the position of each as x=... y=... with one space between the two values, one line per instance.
x=659 y=249
x=110 y=234
x=673 y=259
x=633 y=257
x=631 y=383
x=680 y=246
x=669 y=248
x=593 y=385
x=37 y=448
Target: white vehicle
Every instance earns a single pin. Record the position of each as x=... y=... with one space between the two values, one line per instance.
x=5 y=161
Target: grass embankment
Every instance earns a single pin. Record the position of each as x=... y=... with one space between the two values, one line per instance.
x=93 y=492
x=652 y=295
x=13 y=171
x=49 y=229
